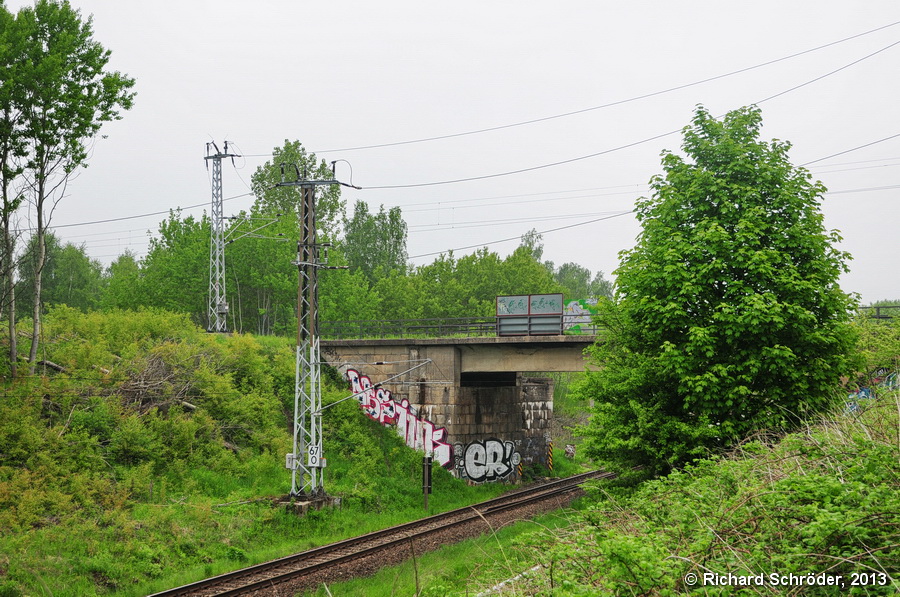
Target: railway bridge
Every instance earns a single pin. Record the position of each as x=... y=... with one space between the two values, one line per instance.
x=467 y=399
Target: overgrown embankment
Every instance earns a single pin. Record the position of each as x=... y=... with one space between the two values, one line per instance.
x=823 y=501
x=821 y=504
x=139 y=461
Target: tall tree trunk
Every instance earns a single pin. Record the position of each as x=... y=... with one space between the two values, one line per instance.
x=7 y=208
x=13 y=344
x=9 y=287
x=8 y=284
x=38 y=274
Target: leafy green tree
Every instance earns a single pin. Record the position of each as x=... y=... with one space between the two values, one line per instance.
x=262 y=266
x=575 y=280
x=123 y=283
x=176 y=268
x=729 y=316
x=75 y=279
x=65 y=95
x=290 y=163
x=531 y=241
x=13 y=149
x=577 y=283
x=464 y=287
x=523 y=274
x=375 y=243
x=346 y=294
x=262 y=280
x=399 y=295
x=600 y=286
x=71 y=277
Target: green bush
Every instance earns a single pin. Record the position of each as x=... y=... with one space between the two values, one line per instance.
x=821 y=501
x=158 y=452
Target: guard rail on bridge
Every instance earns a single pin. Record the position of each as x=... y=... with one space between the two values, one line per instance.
x=883 y=312
x=467 y=327
x=441 y=327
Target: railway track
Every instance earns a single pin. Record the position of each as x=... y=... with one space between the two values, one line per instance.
x=371 y=551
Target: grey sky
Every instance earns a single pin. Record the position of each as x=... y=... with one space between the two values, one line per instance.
x=344 y=74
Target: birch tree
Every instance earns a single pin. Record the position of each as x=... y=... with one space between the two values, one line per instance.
x=66 y=95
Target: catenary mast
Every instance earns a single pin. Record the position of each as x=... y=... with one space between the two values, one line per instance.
x=217 y=305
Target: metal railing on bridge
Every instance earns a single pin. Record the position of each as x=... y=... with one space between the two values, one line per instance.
x=882 y=312
x=440 y=327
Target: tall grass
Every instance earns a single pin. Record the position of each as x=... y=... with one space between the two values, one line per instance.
x=823 y=500
x=820 y=501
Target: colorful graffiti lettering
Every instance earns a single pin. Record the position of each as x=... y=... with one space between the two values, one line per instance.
x=421 y=434
x=375 y=401
x=418 y=433
x=577 y=316
x=487 y=461
x=882 y=380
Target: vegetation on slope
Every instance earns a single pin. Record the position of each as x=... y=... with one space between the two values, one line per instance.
x=145 y=458
x=821 y=501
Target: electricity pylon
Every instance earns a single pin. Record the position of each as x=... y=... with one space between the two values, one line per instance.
x=307 y=459
x=217 y=311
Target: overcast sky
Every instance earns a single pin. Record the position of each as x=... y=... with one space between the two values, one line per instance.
x=340 y=75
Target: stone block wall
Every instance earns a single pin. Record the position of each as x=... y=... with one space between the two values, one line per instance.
x=481 y=433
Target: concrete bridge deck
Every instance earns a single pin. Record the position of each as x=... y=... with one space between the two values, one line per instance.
x=479 y=354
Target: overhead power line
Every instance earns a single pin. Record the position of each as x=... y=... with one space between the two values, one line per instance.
x=621 y=147
x=610 y=104
x=134 y=217
x=834 y=155
x=592 y=221
x=511 y=238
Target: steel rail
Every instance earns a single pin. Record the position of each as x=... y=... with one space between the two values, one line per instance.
x=302 y=564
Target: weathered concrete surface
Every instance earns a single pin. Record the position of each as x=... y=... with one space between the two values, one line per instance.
x=511 y=353
x=498 y=424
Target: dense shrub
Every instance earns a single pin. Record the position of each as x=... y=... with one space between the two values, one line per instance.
x=821 y=501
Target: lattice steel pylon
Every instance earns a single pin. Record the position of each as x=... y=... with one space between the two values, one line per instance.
x=307 y=461
x=217 y=304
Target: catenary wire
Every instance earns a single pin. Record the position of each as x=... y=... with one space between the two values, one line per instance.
x=452 y=201
x=451 y=226
x=607 y=105
x=134 y=217
x=519 y=237
x=593 y=108
x=512 y=238
x=619 y=148
x=849 y=150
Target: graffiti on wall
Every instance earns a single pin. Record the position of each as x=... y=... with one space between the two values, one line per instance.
x=577 y=318
x=418 y=433
x=487 y=461
x=881 y=380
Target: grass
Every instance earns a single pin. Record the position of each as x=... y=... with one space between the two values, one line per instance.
x=464 y=568
x=822 y=500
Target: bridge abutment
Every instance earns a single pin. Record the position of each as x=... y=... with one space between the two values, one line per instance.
x=467 y=402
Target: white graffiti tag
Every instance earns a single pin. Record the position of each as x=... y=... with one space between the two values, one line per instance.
x=488 y=461
x=376 y=402
x=418 y=433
